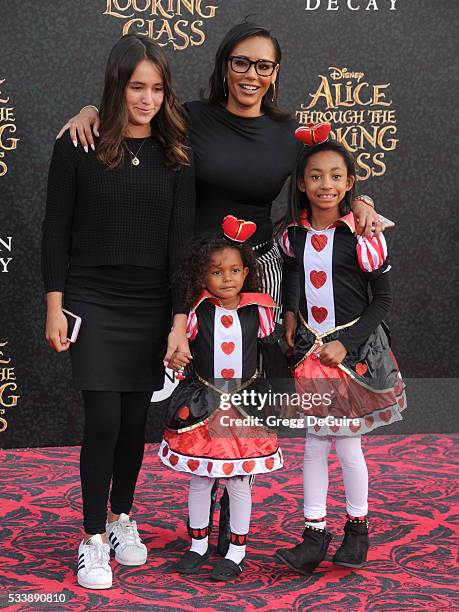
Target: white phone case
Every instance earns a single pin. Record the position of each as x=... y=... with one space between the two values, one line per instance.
x=76 y=326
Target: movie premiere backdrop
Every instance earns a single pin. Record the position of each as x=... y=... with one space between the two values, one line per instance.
x=381 y=71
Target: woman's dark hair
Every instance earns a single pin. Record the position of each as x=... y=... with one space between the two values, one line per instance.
x=217 y=93
x=189 y=278
x=168 y=125
x=299 y=200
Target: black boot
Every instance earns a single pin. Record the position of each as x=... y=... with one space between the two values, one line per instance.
x=306 y=556
x=224 y=529
x=354 y=548
x=191 y=561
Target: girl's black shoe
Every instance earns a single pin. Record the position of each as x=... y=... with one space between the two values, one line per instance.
x=226 y=570
x=191 y=562
x=306 y=556
x=354 y=548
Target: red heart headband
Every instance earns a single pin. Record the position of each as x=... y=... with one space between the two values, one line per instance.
x=313 y=134
x=238 y=229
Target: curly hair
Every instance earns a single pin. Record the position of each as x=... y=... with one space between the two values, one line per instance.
x=189 y=277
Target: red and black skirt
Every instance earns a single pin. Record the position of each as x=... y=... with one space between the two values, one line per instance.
x=208 y=435
x=366 y=388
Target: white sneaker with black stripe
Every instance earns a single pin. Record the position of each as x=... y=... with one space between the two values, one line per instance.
x=94 y=571
x=125 y=541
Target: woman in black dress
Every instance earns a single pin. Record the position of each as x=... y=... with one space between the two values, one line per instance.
x=116 y=222
x=244 y=149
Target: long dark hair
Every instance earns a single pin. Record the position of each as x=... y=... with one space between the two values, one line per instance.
x=217 y=94
x=189 y=278
x=167 y=125
x=298 y=200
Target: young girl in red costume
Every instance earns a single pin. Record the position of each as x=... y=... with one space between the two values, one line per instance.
x=339 y=341
x=202 y=437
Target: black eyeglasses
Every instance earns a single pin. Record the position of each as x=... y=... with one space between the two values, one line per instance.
x=242 y=64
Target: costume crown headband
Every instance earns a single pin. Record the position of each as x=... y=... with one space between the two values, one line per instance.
x=311 y=134
x=238 y=230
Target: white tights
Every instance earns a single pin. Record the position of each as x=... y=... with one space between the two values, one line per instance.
x=315 y=475
x=240 y=502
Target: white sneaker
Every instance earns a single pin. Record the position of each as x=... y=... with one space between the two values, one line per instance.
x=94 y=571
x=125 y=541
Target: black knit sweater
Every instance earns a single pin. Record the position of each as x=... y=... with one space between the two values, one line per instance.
x=136 y=215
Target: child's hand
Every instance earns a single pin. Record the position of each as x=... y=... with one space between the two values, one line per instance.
x=332 y=353
x=290 y=328
x=177 y=339
x=179 y=360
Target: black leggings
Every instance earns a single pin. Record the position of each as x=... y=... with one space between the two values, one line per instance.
x=112 y=450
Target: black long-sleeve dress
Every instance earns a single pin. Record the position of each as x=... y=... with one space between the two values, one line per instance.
x=111 y=240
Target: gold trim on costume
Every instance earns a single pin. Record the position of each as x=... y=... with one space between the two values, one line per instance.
x=211 y=386
x=208 y=384
x=327 y=333
x=189 y=428
x=311 y=350
x=362 y=384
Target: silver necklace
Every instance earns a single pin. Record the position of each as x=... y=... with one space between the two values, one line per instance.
x=135 y=160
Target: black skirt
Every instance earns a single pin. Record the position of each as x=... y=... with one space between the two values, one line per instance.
x=126 y=316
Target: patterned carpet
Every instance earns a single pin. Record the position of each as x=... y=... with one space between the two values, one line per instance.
x=413 y=481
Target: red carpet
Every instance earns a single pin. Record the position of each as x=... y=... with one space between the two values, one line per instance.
x=412 y=563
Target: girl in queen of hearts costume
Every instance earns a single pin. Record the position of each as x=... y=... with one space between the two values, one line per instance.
x=228 y=317
x=339 y=341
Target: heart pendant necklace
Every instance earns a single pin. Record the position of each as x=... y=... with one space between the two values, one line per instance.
x=135 y=160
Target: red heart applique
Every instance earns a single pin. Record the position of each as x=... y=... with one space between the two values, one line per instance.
x=248 y=466
x=227 y=320
x=319 y=241
x=318 y=278
x=317 y=427
x=269 y=462
x=183 y=413
x=210 y=465
x=385 y=415
x=173 y=459
x=238 y=229
x=401 y=402
x=227 y=347
x=313 y=134
x=369 y=420
x=319 y=314
x=228 y=468
x=361 y=368
x=227 y=373
x=354 y=428
x=193 y=464
x=165 y=451
x=334 y=428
